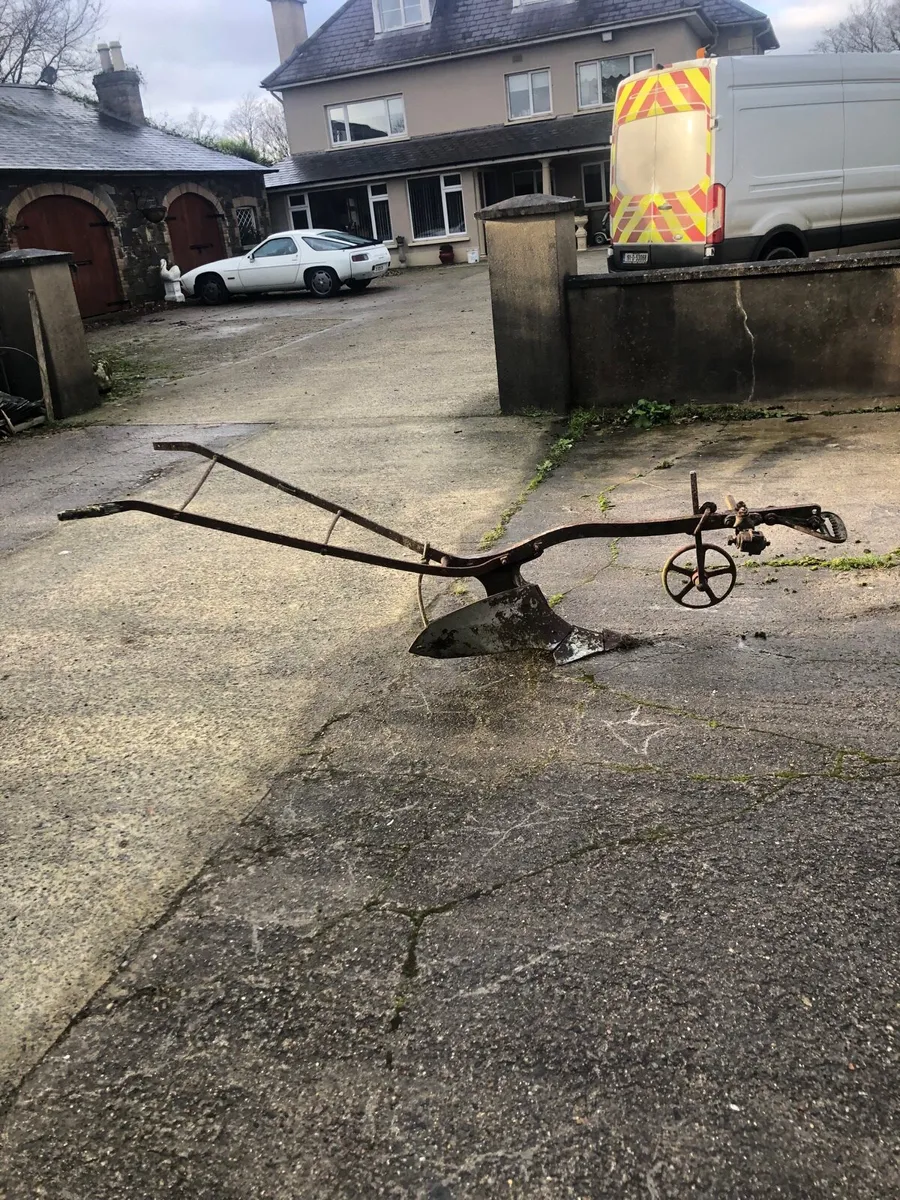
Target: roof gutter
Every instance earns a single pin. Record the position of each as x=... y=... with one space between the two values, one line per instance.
x=695 y=16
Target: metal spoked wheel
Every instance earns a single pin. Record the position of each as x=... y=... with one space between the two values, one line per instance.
x=699 y=576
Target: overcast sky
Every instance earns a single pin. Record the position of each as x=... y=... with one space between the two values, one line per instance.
x=208 y=53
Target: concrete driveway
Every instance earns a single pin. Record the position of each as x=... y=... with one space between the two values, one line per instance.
x=487 y=928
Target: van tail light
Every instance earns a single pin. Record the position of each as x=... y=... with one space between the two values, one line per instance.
x=359 y=258
x=715 y=215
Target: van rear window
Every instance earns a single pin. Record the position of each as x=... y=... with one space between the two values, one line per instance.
x=661 y=154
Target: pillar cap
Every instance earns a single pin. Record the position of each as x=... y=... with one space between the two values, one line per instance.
x=31 y=257
x=528 y=206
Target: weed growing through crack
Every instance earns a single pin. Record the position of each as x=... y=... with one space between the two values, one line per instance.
x=579 y=424
x=850 y=562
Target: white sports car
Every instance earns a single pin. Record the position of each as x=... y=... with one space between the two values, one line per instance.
x=319 y=260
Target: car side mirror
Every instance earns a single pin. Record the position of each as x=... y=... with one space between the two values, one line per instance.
x=251 y=256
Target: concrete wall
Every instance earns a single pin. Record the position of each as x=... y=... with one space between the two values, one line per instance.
x=471 y=92
x=138 y=245
x=767 y=331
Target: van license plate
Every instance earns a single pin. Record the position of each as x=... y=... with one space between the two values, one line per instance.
x=636 y=259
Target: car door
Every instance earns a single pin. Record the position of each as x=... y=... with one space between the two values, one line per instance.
x=274 y=264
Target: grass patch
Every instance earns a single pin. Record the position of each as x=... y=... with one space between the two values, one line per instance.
x=850 y=562
x=127 y=375
x=579 y=423
x=557 y=599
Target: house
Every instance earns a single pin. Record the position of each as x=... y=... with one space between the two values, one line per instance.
x=405 y=117
x=118 y=194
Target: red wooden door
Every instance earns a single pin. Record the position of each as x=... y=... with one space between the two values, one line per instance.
x=64 y=223
x=195 y=230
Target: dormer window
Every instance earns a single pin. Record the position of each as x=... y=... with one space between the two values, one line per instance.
x=398 y=14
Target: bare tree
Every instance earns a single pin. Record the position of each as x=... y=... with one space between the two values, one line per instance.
x=198 y=126
x=35 y=34
x=273 y=130
x=870 y=27
x=259 y=122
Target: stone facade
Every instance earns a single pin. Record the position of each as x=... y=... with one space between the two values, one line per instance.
x=138 y=243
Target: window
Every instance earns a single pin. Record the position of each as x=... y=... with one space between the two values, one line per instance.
x=248 y=225
x=597 y=81
x=397 y=14
x=595 y=181
x=321 y=243
x=276 y=248
x=366 y=120
x=528 y=94
x=380 y=212
x=531 y=183
x=299 y=205
x=436 y=206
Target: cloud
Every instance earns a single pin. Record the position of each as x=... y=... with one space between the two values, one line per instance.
x=202 y=54
x=798 y=25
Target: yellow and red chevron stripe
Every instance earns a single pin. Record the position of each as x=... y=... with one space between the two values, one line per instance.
x=664 y=92
x=663 y=217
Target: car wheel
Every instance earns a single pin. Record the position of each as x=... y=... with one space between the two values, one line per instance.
x=211 y=290
x=323 y=282
x=358 y=285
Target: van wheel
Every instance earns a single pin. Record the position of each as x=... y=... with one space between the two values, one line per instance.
x=781 y=250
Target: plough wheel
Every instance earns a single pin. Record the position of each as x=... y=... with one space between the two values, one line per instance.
x=699 y=576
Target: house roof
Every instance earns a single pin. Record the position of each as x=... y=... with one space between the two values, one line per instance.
x=346 y=44
x=492 y=143
x=42 y=130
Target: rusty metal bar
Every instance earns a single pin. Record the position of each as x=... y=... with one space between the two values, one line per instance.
x=308 y=497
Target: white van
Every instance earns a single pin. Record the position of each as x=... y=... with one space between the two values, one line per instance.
x=738 y=159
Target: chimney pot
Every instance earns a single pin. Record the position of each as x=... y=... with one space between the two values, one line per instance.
x=105 y=59
x=118 y=87
x=115 y=53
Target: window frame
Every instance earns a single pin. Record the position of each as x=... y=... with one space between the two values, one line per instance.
x=597 y=162
x=446 y=236
x=596 y=62
x=380 y=198
x=426 y=5
x=346 y=105
x=304 y=207
x=249 y=208
x=532 y=116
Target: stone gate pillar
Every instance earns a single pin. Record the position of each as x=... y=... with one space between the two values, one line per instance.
x=531 y=249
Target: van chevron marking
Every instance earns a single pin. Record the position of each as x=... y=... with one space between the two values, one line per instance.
x=665 y=217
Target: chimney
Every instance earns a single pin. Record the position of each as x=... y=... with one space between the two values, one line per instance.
x=118 y=87
x=290 y=25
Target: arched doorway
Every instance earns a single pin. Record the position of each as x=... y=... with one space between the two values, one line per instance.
x=195 y=231
x=65 y=223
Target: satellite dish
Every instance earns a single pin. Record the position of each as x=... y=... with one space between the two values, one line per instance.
x=49 y=75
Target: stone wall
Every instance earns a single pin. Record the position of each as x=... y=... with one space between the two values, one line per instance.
x=138 y=243
x=766 y=332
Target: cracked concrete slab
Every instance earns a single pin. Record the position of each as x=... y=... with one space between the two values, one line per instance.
x=621 y=929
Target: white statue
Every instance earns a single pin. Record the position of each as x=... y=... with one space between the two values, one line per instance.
x=171 y=277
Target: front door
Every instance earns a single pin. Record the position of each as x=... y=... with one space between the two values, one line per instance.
x=275 y=265
x=195 y=230
x=65 y=223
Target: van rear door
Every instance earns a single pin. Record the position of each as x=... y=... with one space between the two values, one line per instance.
x=662 y=160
